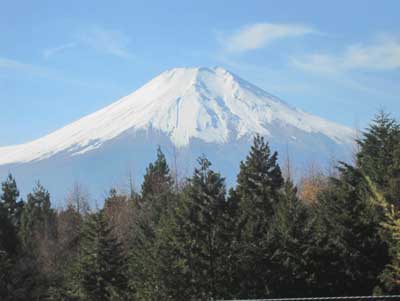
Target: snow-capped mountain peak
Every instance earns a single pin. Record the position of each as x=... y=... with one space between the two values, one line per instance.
x=210 y=104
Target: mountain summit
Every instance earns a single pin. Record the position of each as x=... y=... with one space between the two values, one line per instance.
x=185 y=107
x=210 y=104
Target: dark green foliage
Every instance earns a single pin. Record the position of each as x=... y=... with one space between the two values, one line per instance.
x=258 y=183
x=379 y=160
x=203 y=237
x=289 y=246
x=9 y=200
x=157 y=178
x=38 y=219
x=38 y=241
x=8 y=234
x=65 y=276
x=157 y=188
x=26 y=262
x=19 y=278
x=205 y=205
x=10 y=215
x=379 y=156
x=350 y=251
x=10 y=210
x=195 y=243
x=390 y=232
x=158 y=198
x=102 y=265
x=258 y=190
x=5 y=271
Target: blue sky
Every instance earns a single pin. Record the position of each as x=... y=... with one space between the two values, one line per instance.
x=60 y=60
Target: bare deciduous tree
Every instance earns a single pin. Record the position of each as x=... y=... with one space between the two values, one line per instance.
x=78 y=198
x=120 y=210
x=311 y=183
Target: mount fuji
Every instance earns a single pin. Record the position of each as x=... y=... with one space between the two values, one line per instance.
x=188 y=112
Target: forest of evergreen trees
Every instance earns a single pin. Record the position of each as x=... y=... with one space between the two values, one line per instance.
x=332 y=235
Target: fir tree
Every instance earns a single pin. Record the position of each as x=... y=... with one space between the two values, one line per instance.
x=379 y=156
x=259 y=185
x=8 y=248
x=195 y=243
x=348 y=248
x=203 y=238
x=8 y=234
x=102 y=269
x=38 y=219
x=288 y=245
x=64 y=283
x=10 y=213
x=5 y=273
x=9 y=200
x=157 y=177
x=157 y=201
x=379 y=161
x=390 y=230
x=28 y=279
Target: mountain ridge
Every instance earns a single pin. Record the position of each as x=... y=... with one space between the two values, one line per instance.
x=210 y=104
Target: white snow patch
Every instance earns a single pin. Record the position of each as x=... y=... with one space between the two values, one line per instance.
x=210 y=104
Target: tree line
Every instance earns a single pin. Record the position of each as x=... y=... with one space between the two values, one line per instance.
x=331 y=236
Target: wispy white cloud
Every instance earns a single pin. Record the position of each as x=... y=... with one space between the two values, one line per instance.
x=283 y=80
x=259 y=35
x=382 y=54
x=15 y=65
x=47 y=53
x=112 y=42
x=8 y=65
x=107 y=41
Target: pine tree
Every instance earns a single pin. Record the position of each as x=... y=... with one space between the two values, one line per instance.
x=203 y=238
x=8 y=244
x=64 y=285
x=259 y=185
x=289 y=243
x=155 y=205
x=8 y=249
x=38 y=219
x=102 y=271
x=379 y=161
x=379 y=156
x=348 y=247
x=27 y=279
x=10 y=213
x=5 y=273
x=157 y=178
x=9 y=200
x=38 y=234
x=390 y=230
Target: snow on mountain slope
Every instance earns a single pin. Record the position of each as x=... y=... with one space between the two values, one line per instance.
x=210 y=104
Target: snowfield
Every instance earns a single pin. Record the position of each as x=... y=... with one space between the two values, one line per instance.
x=209 y=104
